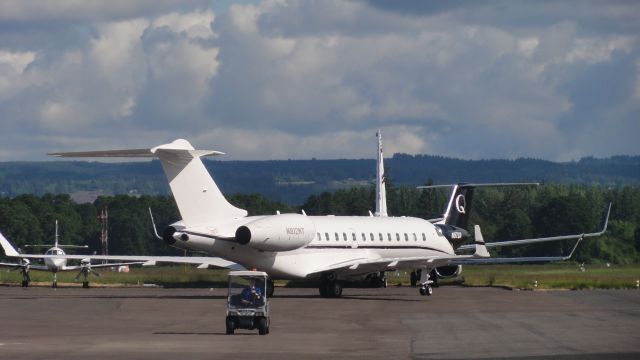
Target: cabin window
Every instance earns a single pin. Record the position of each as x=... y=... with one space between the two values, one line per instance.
x=380 y=236
x=326 y=236
x=388 y=236
x=353 y=235
x=397 y=237
x=344 y=236
x=406 y=237
x=415 y=237
x=364 y=237
x=337 y=237
x=424 y=237
x=371 y=236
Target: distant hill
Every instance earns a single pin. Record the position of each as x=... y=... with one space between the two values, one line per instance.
x=292 y=181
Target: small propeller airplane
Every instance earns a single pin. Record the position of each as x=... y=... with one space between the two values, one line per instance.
x=54 y=262
x=334 y=250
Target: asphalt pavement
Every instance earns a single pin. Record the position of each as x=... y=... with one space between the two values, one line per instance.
x=391 y=323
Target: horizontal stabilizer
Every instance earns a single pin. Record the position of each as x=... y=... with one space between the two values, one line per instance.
x=59 y=246
x=177 y=145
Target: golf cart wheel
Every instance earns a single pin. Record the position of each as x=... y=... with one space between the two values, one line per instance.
x=231 y=326
x=262 y=326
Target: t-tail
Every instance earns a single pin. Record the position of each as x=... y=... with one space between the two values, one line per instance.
x=455 y=219
x=199 y=199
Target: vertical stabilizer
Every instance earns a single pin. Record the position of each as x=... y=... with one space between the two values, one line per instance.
x=381 y=193
x=57 y=237
x=197 y=195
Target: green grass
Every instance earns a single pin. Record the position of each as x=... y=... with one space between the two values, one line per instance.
x=554 y=276
x=137 y=276
x=549 y=276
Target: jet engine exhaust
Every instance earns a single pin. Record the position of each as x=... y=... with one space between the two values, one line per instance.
x=167 y=235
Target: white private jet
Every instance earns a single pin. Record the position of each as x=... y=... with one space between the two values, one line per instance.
x=332 y=249
x=55 y=260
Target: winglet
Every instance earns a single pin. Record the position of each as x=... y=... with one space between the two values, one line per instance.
x=481 y=248
x=9 y=250
x=606 y=220
x=155 y=229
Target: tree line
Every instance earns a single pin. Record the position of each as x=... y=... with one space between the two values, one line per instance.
x=504 y=214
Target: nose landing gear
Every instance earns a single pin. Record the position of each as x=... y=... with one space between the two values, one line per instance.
x=425 y=283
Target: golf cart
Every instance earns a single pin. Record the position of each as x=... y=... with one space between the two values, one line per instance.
x=247 y=305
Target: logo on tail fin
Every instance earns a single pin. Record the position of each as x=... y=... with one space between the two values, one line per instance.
x=461 y=203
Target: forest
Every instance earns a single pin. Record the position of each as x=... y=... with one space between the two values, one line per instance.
x=504 y=213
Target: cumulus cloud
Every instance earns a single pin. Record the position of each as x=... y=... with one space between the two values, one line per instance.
x=301 y=79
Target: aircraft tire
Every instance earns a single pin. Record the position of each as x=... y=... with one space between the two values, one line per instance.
x=85 y=285
x=334 y=289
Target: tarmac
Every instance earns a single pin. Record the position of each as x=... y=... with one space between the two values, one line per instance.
x=391 y=323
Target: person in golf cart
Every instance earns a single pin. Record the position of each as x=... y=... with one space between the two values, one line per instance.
x=251 y=294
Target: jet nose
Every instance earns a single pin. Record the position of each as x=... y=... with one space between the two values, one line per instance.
x=59 y=263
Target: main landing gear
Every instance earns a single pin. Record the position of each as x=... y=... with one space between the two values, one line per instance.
x=26 y=279
x=379 y=280
x=330 y=286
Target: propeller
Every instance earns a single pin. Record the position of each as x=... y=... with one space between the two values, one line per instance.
x=86 y=270
x=24 y=267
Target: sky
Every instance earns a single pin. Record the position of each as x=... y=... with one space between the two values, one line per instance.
x=289 y=79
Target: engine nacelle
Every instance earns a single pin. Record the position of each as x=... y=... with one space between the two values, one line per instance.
x=277 y=233
x=171 y=235
x=444 y=272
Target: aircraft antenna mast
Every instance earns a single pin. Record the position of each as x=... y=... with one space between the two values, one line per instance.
x=104 y=234
x=381 y=193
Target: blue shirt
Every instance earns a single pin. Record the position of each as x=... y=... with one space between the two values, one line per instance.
x=251 y=293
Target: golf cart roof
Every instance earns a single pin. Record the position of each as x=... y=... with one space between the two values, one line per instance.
x=248 y=273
